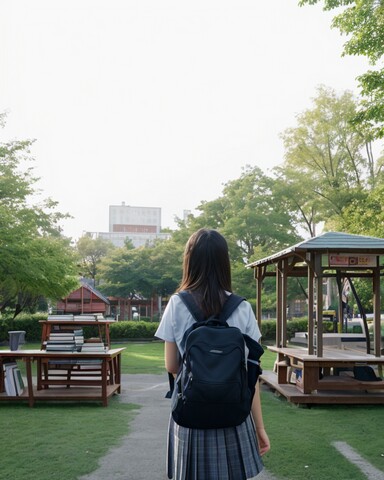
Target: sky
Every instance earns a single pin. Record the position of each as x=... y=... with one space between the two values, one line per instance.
x=159 y=103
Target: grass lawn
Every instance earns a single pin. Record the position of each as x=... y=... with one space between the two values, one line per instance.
x=64 y=441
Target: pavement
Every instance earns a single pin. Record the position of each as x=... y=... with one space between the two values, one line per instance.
x=142 y=453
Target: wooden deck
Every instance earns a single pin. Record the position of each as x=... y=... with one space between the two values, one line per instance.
x=319 y=379
x=323 y=397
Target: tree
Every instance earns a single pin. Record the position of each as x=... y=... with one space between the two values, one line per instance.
x=364 y=217
x=363 y=22
x=166 y=266
x=125 y=273
x=328 y=162
x=144 y=271
x=249 y=216
x=252 y=219
x=91 y=251
x=35 y=260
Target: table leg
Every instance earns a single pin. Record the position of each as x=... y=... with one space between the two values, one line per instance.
x=104 y=381
x=117 y=369
x=282 y=369
x=31 y=399
x=38 y=374
x=1 y=376
x=111 y=367
x=310 y=378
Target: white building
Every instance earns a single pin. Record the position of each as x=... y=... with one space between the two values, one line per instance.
x=141 y=225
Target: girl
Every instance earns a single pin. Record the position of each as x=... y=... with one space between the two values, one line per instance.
x=212 y=454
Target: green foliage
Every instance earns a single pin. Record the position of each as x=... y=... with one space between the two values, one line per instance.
x=91 y=251
x=330 y=173
x=27 y=322
x=328 y=162
x=133 y=330
x=143 y=271
x=362 y=21
x=35 y=260
x=125 y=330
x=364 y=216
x=268 y=328
x=253 y=220
x=249 y=216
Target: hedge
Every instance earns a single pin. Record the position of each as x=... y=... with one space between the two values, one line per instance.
x=29 y=323
x=118 y=331
x=125 y=330
x=268 y=328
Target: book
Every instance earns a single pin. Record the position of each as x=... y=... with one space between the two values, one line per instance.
x=61 y=338
x=61 y=342
x=19 y=382
x=9 y=381
x=85 y=317
x=60 y=348
x=93 y=347
x=68 y=317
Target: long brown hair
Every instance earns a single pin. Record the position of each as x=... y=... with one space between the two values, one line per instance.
x=206 y=270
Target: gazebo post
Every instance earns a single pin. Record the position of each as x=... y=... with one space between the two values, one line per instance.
x=278 y=304
x=311 y=286
x=376 y=311
x=259 y=283
x=284 y=281
x=319 y=304
x=340 y=311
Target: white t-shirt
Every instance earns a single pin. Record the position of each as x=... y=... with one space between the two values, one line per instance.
x=177 y=319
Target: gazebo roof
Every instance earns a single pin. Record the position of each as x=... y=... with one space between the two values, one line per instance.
x=329 y=242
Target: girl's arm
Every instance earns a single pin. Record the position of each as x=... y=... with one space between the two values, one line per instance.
x=257 y=414
x=171 y=356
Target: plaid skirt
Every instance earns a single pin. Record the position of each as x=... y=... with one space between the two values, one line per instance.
x=213 y=454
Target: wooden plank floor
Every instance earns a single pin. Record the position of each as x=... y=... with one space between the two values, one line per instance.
x=293 y=395
x=60 y=393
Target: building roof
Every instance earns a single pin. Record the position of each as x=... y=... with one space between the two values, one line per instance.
x=93 y=290
x=329 y=242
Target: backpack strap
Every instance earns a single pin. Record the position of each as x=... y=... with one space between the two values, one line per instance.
x=192 y=306
x=230 y=305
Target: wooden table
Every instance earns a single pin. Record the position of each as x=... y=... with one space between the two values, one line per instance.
x=311 y=365
x=102 y=326
x=77 y=388
x=25 y=355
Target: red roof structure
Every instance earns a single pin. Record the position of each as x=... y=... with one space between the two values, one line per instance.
x=85 y=299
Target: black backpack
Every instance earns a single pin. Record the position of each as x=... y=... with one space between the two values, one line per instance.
x=216 y=381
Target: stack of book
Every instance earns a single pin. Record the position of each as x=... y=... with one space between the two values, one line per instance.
x=68 y=317
x=83 y=317
x=61 y=342
x=78 y=336
x=93 y=345
x=13 y=380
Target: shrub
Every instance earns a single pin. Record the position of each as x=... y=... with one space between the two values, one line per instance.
x=268 y=328
x=27 y=322
x=118 y=331
x=132 y=329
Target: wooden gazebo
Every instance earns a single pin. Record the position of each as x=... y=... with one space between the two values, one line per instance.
x=343 y=257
